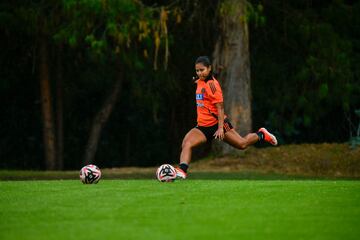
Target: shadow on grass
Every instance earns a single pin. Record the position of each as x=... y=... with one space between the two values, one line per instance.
x=8 y=175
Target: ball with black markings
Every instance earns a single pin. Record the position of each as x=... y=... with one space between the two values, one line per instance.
x=90 y=174
x=166 y=173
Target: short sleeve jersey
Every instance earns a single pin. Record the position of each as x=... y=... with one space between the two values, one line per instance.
x=208 y=93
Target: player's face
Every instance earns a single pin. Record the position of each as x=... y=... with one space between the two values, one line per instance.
x=202 y=71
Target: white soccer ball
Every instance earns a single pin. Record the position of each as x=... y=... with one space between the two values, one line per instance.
x=90 y=174
x=166 y=173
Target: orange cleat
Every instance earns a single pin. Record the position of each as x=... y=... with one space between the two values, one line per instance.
x=268 y=137
x=180 y=174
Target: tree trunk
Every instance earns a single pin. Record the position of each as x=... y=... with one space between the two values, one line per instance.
x=45 y=90
x=99 y=121
x=231 y=59
x=59 y=112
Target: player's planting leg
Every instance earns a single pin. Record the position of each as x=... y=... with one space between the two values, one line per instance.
x=192 y=139
x=181 y=171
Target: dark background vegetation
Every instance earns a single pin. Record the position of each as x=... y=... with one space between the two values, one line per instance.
x=305 y=58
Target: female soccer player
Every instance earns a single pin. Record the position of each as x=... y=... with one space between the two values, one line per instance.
x=212 y=123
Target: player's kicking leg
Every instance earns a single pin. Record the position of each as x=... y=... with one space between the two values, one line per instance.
x=267 y=137
x=234 y=139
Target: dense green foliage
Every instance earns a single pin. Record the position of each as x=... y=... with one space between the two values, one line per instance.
x=306 y=56
x=304 y=59
x=208 y=209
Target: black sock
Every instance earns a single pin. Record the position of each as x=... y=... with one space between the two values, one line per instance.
x=183 y=166
x=261 y=136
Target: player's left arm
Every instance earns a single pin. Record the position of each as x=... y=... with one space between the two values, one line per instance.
x=216 y=96
x=219 y=134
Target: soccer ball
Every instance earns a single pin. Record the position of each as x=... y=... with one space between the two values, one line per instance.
x=166 y=173
x=90 y=174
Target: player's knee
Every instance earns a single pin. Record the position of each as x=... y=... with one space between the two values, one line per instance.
x=186 y=144
x=241 y=146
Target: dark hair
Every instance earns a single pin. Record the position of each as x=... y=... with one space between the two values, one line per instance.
x=205 y=60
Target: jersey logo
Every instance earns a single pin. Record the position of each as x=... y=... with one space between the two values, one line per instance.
x=199 y=96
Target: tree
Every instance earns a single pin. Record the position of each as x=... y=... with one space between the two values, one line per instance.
x=37 y=22
x=59 y=110
x=100 y=120
x=46 y=103
x=110 y=29
x=231 y=59
x=122 y=33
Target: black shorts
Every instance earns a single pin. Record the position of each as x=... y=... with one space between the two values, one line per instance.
x=210 y=131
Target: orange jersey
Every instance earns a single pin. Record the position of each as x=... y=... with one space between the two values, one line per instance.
x=207 y=95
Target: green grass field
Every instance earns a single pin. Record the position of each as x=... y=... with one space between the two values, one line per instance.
x=191 y=209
